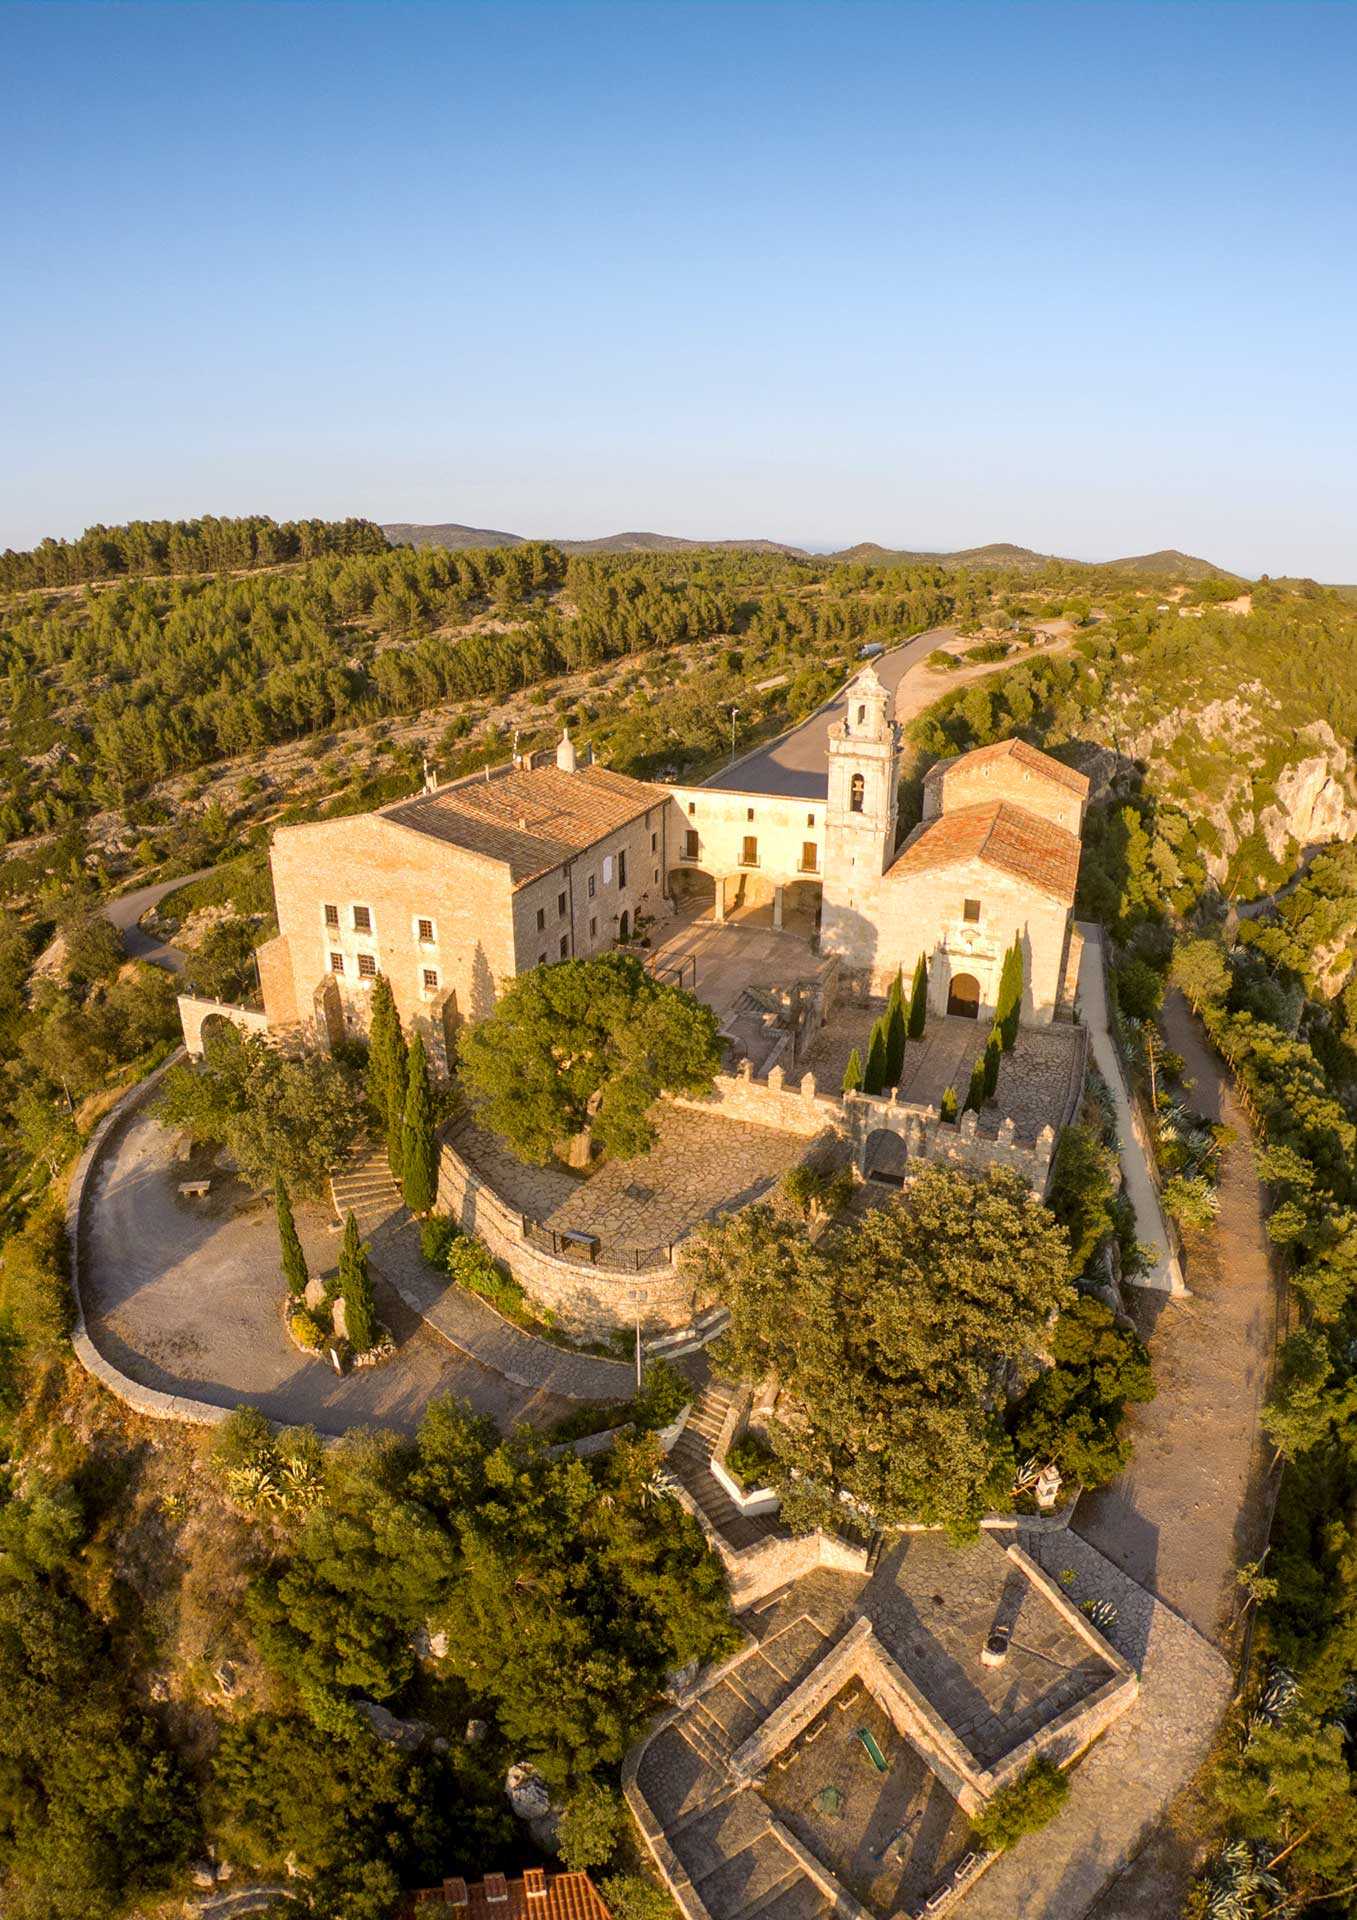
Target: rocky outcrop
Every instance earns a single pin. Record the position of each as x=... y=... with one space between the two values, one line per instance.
x=1313 y=801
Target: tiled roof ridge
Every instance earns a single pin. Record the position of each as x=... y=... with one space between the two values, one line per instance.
x=1001 y=833
x=1016 y=749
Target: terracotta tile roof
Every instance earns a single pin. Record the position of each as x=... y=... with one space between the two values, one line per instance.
x=1028 y=757
x=537 y=1896
x=529 y=820
x=1001 y=835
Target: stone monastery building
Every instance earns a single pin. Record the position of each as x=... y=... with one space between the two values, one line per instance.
x=455 y=892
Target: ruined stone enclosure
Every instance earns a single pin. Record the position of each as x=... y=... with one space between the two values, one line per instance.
x=833 y=1763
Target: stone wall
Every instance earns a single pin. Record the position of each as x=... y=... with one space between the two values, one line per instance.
x=968 y=781
x=787 y=1106
x=584 y=1299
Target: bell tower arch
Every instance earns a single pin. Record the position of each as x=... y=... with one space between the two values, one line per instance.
x=864 y=764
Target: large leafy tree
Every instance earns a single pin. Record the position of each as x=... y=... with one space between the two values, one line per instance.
x=586 y=1047
x=284 y=1118
x=895 y=1341
x=1073 y=1411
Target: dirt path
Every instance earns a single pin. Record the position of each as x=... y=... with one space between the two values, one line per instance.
x=1191 y=1506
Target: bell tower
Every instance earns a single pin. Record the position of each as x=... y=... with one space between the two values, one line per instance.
x=864 y=755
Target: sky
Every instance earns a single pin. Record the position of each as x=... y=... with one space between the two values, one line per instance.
x=1082 y=277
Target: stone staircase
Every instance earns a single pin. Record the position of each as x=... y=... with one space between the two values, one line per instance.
x=366 y=1188
x=690 y=1463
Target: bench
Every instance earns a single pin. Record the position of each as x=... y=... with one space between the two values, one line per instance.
x=576 y=1242
x=194 y=1189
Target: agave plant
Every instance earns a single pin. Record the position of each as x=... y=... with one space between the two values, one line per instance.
x=1237 y=1880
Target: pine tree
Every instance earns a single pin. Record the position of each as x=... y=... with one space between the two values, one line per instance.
x=387 y=1070
x=918 y=1001
x=1008 y=1012
x=419 y=1149
x=874 y=1078
x=895 y=1039
x=355 y=1288
x=852 y=1073
x=294 y=1260
x=990 y=1058
x=975 y=1092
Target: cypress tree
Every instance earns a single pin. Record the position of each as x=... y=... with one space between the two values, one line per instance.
x=387 y=1070
x=1009 y=1009
x=419 y=1153
x=852 y=1073
x=294 y=1260
x=895 y=1039
x=975 y=1092
x=947 y=1110
x=918 y=1001
x=990 y=1058
x=355 y=1288
x=874 y=1078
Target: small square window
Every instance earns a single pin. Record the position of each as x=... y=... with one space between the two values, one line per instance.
x=430 y=980
x=541 y=919
x=426 y=932
x=336 y=963
x=692 y=808
x=592 y=884
x=565 y=946
x=749 y=813
x=971 y=911
x=331 y=915
x=367 y=967
x=560 y=906
x=810 y=819
x=362 y=919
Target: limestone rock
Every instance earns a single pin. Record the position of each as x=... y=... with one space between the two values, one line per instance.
x=339 y=1320
x=314 y=1296
x=527 y=1792
x=1312 y=806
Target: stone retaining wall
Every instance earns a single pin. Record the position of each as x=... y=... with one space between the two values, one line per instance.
x=146 y=1400
x=583 y=1299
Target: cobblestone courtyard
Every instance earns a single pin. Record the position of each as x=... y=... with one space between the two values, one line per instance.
x=699 y=1165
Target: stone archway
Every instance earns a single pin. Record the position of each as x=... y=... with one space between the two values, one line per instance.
x=963 y=996
x=624 y=927
x=885 y=1157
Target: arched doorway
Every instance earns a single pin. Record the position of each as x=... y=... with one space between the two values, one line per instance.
x=693 y=892
x=885 y=1157
x=963 y=996
x=624 y=926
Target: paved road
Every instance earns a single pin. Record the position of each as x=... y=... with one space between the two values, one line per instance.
x=1165 y=1276
x=127 y=911
x=185 y=1296
x=794 y=764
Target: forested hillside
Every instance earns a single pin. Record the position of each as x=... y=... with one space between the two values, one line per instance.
x=183 y=546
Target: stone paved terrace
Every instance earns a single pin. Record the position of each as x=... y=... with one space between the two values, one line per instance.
x=1034 y=1079
x=699 y=1164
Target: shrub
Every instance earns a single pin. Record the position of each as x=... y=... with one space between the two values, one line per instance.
x=663 y=1396
x=751 y=1461
x=306 y=1330
x=590 y=1826
x=947 y=1108
x=34 y=1290
x=436 y=1235
x=631 y=1896
x=1025 y=1806
x=474 y=1267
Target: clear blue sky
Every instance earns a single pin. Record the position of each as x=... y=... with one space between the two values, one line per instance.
x=1084 y=277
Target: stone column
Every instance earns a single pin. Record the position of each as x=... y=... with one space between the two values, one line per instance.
x=777 y=906
x=719 y=903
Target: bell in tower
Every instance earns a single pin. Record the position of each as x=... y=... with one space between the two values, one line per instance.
x=861 y=814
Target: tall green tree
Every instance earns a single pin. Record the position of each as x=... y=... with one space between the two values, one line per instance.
x=1008 y=1011
x=975 y=1089
x=918 y=1000
x=989 y=1060
x=852 y=1073
x=874 y=1074
x=585 y=1048
x=355 y=1288
x=294 y=1260
x=419 y=1145
x=387 y=1072
x=895 y=1030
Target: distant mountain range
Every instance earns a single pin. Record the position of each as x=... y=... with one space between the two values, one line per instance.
x=1168 y=564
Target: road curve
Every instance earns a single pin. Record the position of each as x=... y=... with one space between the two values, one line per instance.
x=125 y=912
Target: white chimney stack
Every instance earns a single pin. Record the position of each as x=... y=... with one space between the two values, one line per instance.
x=565 y=753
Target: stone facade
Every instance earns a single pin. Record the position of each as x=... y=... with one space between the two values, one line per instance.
x=753 y=848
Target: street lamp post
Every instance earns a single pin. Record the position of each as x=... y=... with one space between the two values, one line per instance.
x=734 y=716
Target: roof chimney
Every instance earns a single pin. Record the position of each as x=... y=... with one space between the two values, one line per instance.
x=565 y=752
x=496 y=1889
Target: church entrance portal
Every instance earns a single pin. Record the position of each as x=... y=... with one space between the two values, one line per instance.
x=963 y=996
